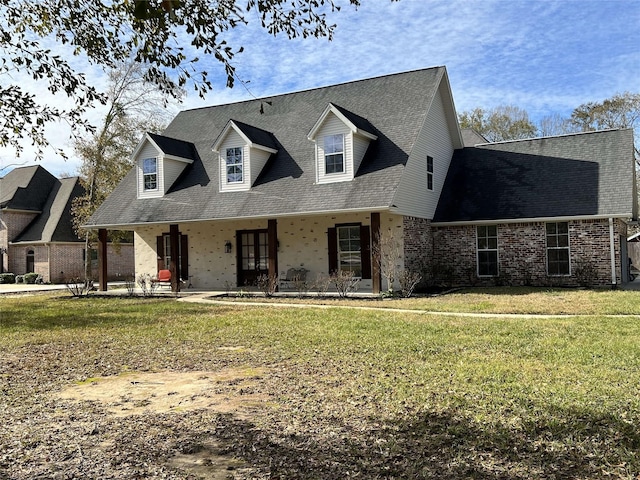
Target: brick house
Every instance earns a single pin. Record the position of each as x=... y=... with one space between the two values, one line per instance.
x=315 y=179
x=36 y=233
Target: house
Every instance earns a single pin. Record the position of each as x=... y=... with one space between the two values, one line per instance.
x=316 y=179
x=36 y=233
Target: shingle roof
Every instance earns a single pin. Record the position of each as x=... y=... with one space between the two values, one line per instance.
x=257 y=135
x=396 y=104
x=572 y=175
x=26 y=188
x=174 y=147
x=55 y=222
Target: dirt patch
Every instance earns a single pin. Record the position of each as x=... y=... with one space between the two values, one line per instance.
x=225 y=391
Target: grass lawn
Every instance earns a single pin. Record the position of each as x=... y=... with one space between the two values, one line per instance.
x=322 y=393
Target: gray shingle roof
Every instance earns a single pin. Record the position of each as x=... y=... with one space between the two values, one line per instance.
x=55 y=222
x=26 y=188
x=395 y=104
x=573 y=175
x=174 y=147
x=257 y=135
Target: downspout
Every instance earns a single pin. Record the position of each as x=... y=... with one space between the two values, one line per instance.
x=612 y=248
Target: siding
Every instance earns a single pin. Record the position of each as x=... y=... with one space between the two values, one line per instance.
x=257 y=162
x=234 y=140
x=149 y=152
x=171 y=171
x=332 y=126
x=412 y=198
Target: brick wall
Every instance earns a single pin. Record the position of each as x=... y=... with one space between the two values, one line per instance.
x=60 y=262
x=522 y=253
x=418 y=243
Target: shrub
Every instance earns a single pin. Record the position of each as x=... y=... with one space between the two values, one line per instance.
x=408 y=282
x=586 y=272
x=30 y=278
x=7 y=278
x=78 y=287
x=344 y=282
x=148 y=284
x=19 y=278
x=321 y=284
x=268 y=284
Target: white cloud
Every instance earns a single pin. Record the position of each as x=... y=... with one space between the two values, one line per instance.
x=544 y=57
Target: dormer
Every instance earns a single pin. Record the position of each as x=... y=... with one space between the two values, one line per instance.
x=159 y=162
x=341 y=139
x=243 y=152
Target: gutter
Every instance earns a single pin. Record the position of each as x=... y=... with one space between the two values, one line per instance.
x=612 y=250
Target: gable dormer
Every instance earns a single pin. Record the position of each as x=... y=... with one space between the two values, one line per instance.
x=341 y=139
x=243 y=152
x=159 y=162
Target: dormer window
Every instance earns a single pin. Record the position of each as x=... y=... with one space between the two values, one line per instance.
x=234 y=165
x=341 y=140
x=150 y=173
x=334 y=153
x=242 y=151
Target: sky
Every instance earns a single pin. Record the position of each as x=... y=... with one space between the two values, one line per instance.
x=544 y=56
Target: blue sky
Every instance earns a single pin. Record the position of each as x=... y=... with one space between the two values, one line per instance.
x=545 y=56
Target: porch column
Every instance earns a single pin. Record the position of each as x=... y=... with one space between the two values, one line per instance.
x=174 y=239
x=272 y=241
x=102 y=258
x=376 y=276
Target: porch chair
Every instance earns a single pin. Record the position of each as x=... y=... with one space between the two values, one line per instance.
x=293 y=275
x=164 y=277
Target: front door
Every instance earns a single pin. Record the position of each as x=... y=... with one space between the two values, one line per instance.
x=253 y=256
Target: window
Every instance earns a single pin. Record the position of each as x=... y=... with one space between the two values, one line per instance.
x=234 y=165
x=334 y=153
x=349 y=249
x=164 y=254
x=430 y=173
x=557 y=248
x=150 y=173
x=487 y=249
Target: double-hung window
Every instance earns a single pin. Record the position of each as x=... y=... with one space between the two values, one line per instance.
x=487 y=250
x=557 y=248
x=334 y=153
x=429 y=173
x=150 y=173
x=349 y=249
x=234 y=165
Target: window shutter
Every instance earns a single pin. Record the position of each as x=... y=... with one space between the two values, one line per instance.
x=160 y=252
x=365 y=251
x=332 y=237
x=184 y=261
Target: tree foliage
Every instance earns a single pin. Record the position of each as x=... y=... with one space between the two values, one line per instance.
x=502 y=123
x=134 y=105
x=620 y=111
x=163 y=35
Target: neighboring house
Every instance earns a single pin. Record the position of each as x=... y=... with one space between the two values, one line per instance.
x=36 y=233
x=314 y=179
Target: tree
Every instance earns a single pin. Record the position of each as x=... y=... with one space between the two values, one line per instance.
x=502 y=123
x=134 y=106
x=156 y=33
x=555 y=124
x=620 y=111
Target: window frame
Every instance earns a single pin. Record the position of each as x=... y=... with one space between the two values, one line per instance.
x=485 y=246
x=236 y=152
x=555 y=247
x=355 y=227
x=429 y=172
x=330 y=151
x=147 y=175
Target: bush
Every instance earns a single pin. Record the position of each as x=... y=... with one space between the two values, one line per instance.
x=30 y=278
x=586 y=272
x=19 y=278
x=7 y=278
x=268 y=284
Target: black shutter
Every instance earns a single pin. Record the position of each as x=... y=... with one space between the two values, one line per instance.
x=184 y=261
x=160 y=252
x=365 y=251
x=332 y=238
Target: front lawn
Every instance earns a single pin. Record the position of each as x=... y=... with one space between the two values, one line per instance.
x=318 y=393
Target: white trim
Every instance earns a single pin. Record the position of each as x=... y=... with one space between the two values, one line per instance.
x=17 y=210
x=130 y=226
x=612 y=249
x=497 y=250
x=231 y=124
x=177 y=159
x=331 y=108
x=528 y=220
